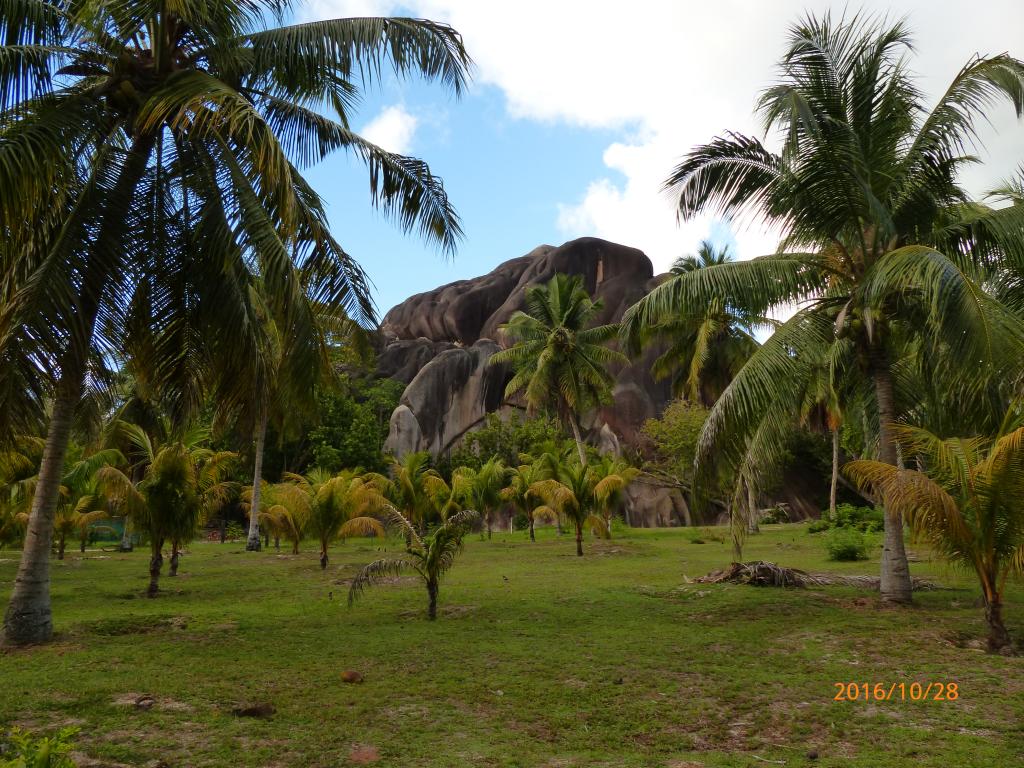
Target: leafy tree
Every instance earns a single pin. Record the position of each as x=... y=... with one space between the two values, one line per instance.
x=881 y=245
x=182 y=482
x=674 y=438
x=150 y=150
x=481 y=489
x=354 y=419
x=966 y=503
x=80 y=505
x=558 y=359
x=339 y=506
x=430 y=556
x=506 y=438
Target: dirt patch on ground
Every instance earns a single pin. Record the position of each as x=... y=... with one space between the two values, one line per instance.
x=363 y=754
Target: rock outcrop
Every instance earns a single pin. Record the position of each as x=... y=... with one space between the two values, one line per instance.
x=438 y=343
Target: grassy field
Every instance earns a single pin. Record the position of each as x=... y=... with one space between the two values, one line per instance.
x=539 y=658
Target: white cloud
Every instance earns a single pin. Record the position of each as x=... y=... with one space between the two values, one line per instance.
x=669 y=75
x=393 y=129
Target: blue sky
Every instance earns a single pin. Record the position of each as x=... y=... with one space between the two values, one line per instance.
x=579 y=109
x=506 y=177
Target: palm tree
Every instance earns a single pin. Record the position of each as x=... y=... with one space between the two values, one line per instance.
x=417 y=490
x=430 y=556
x=339 y=506
x=880 y=242
x=966 y=503
x=283 y=510
x=158 y=144
x=558 y=359
x=182 y=482
x=523 y=490
x=80 y=505
x=481 y=489
x=706 y=346
x=612 y=476
x=583 y=494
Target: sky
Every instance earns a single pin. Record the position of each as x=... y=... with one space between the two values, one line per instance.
x=579 y=109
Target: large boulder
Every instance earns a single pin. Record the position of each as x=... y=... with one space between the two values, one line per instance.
x=449 y=396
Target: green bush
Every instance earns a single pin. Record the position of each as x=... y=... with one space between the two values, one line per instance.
x=846 y=544
x=817 y=526
x=21 y=750
x=863 y=519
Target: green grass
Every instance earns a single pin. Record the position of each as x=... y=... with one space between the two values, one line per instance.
x=539 y=658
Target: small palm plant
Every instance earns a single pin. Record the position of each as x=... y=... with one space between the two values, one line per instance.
x=181 y=482
x=79 y=506
x=611 y=477
x=481 y=489
x=417 y=490
x=967 y=504
x=523 y=491
x=339 y=506
x=283 y=512
x=430 y=556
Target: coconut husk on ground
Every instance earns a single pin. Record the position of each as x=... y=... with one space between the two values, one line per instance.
x=761 y=573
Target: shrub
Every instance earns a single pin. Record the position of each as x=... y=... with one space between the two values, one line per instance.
x=21 y=750
x=846 y=544
x=817 y=526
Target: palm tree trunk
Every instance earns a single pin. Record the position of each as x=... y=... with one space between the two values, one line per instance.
x=895 y=576
x=175 y=556
x=252 y=544
x=577 y=436
x=28 y=618
x=277 y=543
x=126 y=536
x=323 y=555
x=753 y=525
x=835 y=476
x=156 y=562
x=533 y=536
x=579 y=540
x=998 y=636
x=82 y=545
x=432 y=588
x=61 y=543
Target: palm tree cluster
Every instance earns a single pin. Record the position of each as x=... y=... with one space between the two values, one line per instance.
x=151 y=199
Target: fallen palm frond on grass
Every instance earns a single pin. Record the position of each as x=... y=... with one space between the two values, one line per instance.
x=764 y=574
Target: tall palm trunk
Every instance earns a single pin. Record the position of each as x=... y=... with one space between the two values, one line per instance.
x=895 y=576
x=576 y=435
x=61 y=544
x=81 y=545
x=252 y=544
x=28 y=618
x=323 y=555
x=432 y=589
x=533 y=536
x=579 y=540
x=835 y=476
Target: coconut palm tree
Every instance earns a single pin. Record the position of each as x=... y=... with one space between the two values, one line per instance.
x=160 y=144
x=182 y=482
x=705 y=347
x=430 y=556
x=80 y=505
x=558 y=359
x=523 y=491
x=284 y=511
x=612 y=476
x=880 y=242
x=339 y=506
x=584 y=493
x=481 y=489
x=966 y=503
x=415 y=489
